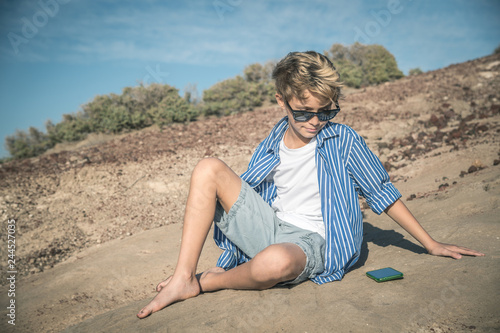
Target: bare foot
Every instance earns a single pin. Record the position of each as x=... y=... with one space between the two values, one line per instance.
x=171 y=290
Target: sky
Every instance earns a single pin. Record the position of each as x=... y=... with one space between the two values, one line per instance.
x=57 y=55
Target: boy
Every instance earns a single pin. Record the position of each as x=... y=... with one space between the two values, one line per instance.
x=294 y=214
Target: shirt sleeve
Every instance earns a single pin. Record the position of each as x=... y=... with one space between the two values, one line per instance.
x=370 y=178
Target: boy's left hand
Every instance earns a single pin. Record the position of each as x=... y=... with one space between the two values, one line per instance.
x=450 y=250
x=402 y=215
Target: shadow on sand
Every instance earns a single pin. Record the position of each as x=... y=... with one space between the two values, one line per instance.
x=381 y=237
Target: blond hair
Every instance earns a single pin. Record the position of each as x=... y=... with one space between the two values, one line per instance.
x=301 y=71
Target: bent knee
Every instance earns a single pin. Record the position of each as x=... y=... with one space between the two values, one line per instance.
x=279 y=263
x=209 y=166
x=210 y=162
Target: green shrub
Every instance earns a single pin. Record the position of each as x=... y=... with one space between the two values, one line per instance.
x=261 y=76
x=172 y=109
x=350 y=74
x=71 y=128
x=240 y=94
x=230 y=96
x=415 y=71
x=22 y=144
x=135 y=108
x=258 y=72
x=361 y=65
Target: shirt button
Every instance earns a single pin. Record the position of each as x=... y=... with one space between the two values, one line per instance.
x=258 y=178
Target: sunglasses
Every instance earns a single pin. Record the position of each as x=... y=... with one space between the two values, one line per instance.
x=324 y=115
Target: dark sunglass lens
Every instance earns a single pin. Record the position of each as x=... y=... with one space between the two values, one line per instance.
x=327 y=115
x=324 y=116
x=301 y=116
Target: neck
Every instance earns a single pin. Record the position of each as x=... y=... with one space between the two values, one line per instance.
x=294 y=140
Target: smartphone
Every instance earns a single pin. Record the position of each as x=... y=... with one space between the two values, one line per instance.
x=384 y=274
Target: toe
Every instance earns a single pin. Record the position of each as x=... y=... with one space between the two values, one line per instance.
x=152 y=307
x=162 y=284
x=144 y=313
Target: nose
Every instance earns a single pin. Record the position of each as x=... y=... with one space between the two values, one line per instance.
x=314 y=121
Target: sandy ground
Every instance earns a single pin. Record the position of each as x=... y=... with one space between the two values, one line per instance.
x=98 y=227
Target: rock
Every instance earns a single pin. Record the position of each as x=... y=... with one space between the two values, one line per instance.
x=495 y=109
x=472 y=169
x=449 y=114
x=443 y=187
x=492 y=65
x=411 y=197
x=439 y=122
x=482 y=128
x=438 y=136
x=382 y=145
x=469 y=118
x=488 y=75
x=456 y=133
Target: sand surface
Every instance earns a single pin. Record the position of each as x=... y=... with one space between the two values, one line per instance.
x=99 y=226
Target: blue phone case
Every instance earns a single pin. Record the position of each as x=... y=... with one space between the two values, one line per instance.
x=385 y=274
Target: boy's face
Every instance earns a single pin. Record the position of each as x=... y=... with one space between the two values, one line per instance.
x=300 y=133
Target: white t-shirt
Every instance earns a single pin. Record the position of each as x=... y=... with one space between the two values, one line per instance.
x=296 y=178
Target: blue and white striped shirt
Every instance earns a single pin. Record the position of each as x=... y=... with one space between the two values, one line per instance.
x=346 y=168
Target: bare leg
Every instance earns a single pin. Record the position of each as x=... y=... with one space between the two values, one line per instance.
x=211 y=180
x=276 y=263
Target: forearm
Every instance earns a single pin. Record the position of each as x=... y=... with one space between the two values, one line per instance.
x=402 y=216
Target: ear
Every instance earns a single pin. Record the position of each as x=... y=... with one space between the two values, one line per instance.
x=280 y=100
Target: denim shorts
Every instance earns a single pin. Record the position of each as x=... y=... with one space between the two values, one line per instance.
x=252 y=225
